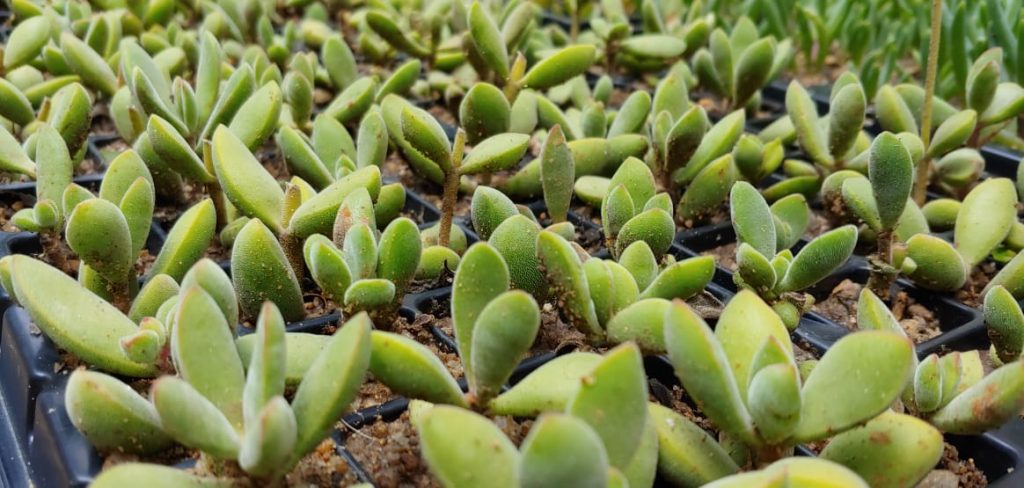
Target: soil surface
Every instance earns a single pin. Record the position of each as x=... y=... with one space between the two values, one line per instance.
x=969 y=474
x=919 y=322
x=970 y=294
x=725 y=256
x=7 y=210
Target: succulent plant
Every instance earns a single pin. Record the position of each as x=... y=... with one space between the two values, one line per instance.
x=632 y=211
x=425 y=136
x=490 y=52
x=764 y=261
x=828 y=146
x=231 y=411
x=366 y=271
x=735 y=66
x=597 y=296
x=745 y=380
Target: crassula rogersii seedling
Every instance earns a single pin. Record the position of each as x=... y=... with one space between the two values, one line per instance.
x=764 y=262
x=361 y=269
x=425 y=136
x=632 y=210
x=735 y=66
x=614 y=302
x=491 y=57
x=230 y=411
x=745 y=380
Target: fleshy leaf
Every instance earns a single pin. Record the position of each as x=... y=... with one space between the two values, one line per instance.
x=481 y=277
x=112 y=415
x=504 y=331
x=890 y=451
x=450 y=440
x=985 y=218
x=193 y=420
x=260 y=272
x=615 y=389
x=702 y=366
x=410 y=369
x=687 y=455
x=858 y=378
x=543 y=464
x=331 y=383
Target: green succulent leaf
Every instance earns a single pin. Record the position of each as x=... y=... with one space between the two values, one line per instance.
x=804 y=117
x=496 y=153
x=874 y=314
x=702 y=366
x=834 y=398
x=566 y=279
x=482 y=276
x=985 y=218
x=549 y=388
x=687 y=455
x=552 y=435
x=681 y=280
x=112 y=415
x=193 y=420
x=331 y=383
x=187 y=241
x=819 y=258
x=1005 y=323
x=985 y=405
x=450 y=438
x=557 y=173
x=752 y=218
x=245 y=182
x=641 y=322
x=939 y=266
x=260 y=272
x=269 y=440
x=615 y=388
x=503 y=334
x=98 y=232
x=410 y=369
x=484 y=112
x=872 y=451
x=488 y=41
x=200 y=327
x=559 y=67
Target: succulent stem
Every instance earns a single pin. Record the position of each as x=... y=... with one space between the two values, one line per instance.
x=766 y=455
x=883 y=274
x=217 y=197
x=53 y=250
x=213 y=188
x=120 y=294
x=924 y=167
x=451 y=189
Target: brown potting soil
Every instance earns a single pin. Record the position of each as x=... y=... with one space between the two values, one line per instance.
x=919 y=322
x=7 y=210
x=970 y=293
x=969 y=474
x=725 y=255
